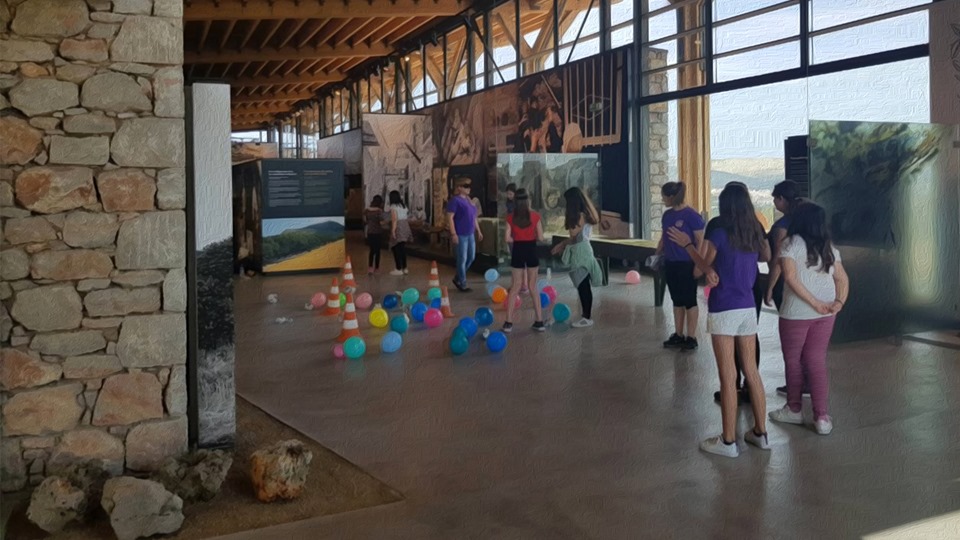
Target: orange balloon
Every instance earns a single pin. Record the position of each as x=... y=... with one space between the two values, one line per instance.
x=499 y=295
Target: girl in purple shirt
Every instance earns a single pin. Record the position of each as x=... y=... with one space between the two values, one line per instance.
x=735 y=242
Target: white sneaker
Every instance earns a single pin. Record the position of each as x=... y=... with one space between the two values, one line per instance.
x=396 y=272
x=786 y=416
x=583 y=323
x=824 y=425
x=406 y=271
x=760 y=441
x=715 y=445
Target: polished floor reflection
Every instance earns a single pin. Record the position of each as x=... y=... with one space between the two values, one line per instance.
x=593 y=433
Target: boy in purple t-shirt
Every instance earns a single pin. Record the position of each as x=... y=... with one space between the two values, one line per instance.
x=462 y=221
x=678 y=267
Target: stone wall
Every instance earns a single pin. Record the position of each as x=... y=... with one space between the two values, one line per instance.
x=94 y=235
x=658 y=141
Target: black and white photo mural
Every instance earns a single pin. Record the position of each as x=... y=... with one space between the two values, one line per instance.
x=398 y=155
x=211 y=276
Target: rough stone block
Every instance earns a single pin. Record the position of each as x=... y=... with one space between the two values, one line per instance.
x=75 y=73
x=171 y=189
x=153 y=340
x=150 y=444
x=44 y=309
x=35 y=97
x=175 y=395
x=141 y=508
x=102 y=31
x=168 y=8
x=69 y=343
x=13 y=470
x=79 y=150
x=114 y=92
x=175 y=291
x=88 y=50
x=133 y=7
x=151 y=241
x=70 y=265
x=168 y=91
x=21 y=142
x=55 y=503
x=29 y=230
x=138 y=278
x=50 y=190
x=126 y=190
x=89 y=124
x=149 y=142
x=14 y=264
x=94 y=366
x=51 y=18
x=90 y=230
x=116 y=301
x=20 y=50
x=21 y=370
x=100 y=324
x=128 y=398
x=87 y=445
x=86 y=285
x=149 y=40
x=45 y=410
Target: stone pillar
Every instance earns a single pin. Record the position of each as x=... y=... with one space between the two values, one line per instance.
x=93 y=248
x=658 y=143
x=945 y=63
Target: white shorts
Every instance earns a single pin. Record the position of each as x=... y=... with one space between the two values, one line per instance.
x=736 y=322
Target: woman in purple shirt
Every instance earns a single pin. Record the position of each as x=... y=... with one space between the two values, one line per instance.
x=735 y=242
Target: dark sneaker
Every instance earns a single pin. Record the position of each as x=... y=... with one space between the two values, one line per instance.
x=462 y=287
x=507 y=327
x=689 y=344
x=539 y=326
x=675 y=342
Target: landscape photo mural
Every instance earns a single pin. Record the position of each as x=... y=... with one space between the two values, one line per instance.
x=299 y=244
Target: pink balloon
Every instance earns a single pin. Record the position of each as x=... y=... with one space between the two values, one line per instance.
x=706 y=292
x=516 y=304
x=633 y=277
x=364 y=301
x=338 y=350
x=319 y=301
x=551 y=293
x=433 y=318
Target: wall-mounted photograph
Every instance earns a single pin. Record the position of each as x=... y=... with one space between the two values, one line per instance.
x=302 y=244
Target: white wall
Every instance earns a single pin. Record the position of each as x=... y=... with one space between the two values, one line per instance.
x=212 y=163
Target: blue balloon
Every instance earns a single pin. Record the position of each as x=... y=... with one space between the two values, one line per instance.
x=491 y=275
x=391 y=301
x=497 y=342
x=418 y=311
x=469 y=326
x=399 y=324
x=435 y=303
x=561 y=312
x=391 y=342
x=459 y=345
x=484 y=316
x=544 y=300
x=460 y=332
x=490 y=288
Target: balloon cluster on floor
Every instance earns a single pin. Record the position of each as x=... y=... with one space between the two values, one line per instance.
x=468 y=327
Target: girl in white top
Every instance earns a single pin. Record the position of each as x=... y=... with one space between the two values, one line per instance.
x=400 y=232
x=816 y=290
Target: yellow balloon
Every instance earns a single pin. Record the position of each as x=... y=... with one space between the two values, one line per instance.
x=379 y=318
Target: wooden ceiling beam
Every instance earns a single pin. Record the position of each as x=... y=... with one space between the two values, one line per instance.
x=290 y=35
x=313 y=33
x=359 y=50
x=204 y=34
x=260 y=109
x=250 y=30
x=407 y=28
x=225 y=10
x=274 y=26
x=371 y=28
x=270 y=97
x=227 y=34
x=240 y=82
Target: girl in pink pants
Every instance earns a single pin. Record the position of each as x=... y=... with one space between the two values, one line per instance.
x=816 y=289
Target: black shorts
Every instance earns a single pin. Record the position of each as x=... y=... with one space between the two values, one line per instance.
x=524 y=255
x=682 y=284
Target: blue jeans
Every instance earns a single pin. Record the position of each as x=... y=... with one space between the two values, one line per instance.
x=466 y=252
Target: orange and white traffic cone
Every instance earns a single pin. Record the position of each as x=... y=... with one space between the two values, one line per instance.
x=445 y=304
x=349 y=283
x=350 y=326
x=434 y=276
x=333 y=301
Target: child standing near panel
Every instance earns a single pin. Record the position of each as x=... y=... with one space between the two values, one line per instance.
x=524 y=230
x=400 y=233
x=577 y=251
x=678 y=267
x=373 y=222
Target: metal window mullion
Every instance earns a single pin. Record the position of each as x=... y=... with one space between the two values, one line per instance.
x=672 y=6
x=869 y=20
x=471 y=53
x=676 y=37
x=752 y=48
x=706 y=49
x=520 y=64
x=487 y=41
x=757 y=12
x=556 y=32
x=606 y=39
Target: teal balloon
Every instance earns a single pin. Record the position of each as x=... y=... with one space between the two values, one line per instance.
x=469 y=326
x=459 y=345
x=418 y=311
x=354 y=348
x=460 y=332
x=391 y=342
x=497 y=342
x=399 y=324
x=561 y=312
x=410 y=296
x=434 y=293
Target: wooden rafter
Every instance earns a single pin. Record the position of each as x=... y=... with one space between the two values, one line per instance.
x=201 y=10
x=274 y=26
x=204 y=34
x=318 y=27
x=290 y=35
x=287 y=53
x=266 y=98
x=250 y=30
x=227 y=34
x=407 y=28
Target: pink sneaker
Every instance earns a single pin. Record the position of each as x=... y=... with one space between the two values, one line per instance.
x=370 y=271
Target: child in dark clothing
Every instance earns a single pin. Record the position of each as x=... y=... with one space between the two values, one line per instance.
x=373 y=221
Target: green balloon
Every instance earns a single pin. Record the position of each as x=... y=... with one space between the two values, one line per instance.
x=410 y=296
x=458 y=345
x=343 y=300
x=459 y=332
x=354 y=348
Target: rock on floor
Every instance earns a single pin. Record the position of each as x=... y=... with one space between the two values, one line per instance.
x=196 y=476
x=280 y=471
x=141 y=508
x=55 y=503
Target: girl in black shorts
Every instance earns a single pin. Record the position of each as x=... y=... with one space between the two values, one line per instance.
x=524 y=230
x=678 y=267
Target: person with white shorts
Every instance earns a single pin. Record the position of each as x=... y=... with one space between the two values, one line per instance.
x=735 y=242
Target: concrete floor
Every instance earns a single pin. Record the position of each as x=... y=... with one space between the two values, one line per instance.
x=593 y=433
